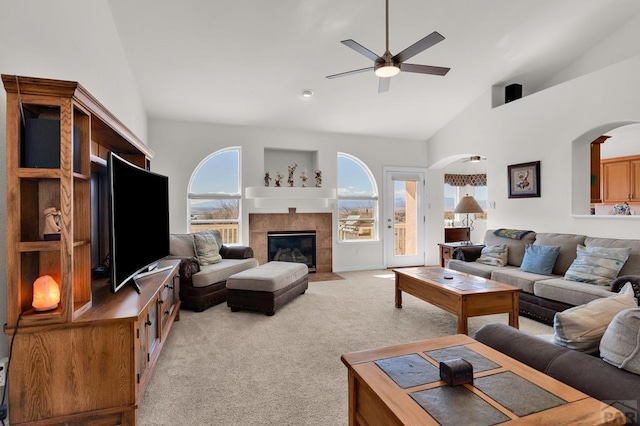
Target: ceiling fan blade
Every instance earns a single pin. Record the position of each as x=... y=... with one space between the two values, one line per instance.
x=344 y=74
x=419 y=46
x=361 y=49
x=424 y=69
x=383 y=85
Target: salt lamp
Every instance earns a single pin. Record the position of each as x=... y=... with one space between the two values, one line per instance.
x=46 y=294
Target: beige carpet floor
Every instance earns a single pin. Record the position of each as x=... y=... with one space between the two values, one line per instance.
x=242 y=368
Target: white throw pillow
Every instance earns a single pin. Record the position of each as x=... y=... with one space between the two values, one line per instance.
x=620 y=345
x=206 y=248
x=580 y=328
x=494 y=255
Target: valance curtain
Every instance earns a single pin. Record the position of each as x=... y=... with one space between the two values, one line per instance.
x=463 y=180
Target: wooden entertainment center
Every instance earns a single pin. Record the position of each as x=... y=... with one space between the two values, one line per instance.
x=89 y=360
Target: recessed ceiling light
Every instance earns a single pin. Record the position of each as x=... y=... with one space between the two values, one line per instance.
x=307 y=93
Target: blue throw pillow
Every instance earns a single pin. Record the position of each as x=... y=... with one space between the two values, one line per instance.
x=539 y=259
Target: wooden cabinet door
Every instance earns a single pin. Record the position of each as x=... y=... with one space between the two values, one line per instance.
x=635 y=180
x=616 y=178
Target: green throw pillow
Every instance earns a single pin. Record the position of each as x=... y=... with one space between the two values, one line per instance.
x=494 y=255
x=597 y=265
x=580 y=328
x=206 y=248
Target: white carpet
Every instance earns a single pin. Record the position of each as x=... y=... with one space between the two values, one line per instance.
x=243 y=368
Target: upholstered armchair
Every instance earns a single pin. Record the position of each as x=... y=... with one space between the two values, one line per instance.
x=204 y=285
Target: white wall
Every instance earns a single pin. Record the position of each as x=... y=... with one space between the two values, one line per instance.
x=71 y=40
x=180 y=146
x=624 y=141
x=618 y=46
x=552 y=126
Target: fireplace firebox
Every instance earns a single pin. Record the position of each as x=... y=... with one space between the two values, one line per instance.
x=293 y=246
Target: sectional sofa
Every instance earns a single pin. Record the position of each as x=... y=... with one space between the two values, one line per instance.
x=587 y=373
x=542 y=295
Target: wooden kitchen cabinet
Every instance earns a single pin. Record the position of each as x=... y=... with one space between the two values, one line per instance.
x=621 y=179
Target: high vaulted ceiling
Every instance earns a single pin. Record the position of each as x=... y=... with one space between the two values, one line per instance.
x=247 y=62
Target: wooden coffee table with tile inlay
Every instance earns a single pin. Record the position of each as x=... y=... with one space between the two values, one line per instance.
x=461 y=294
x=400 y=385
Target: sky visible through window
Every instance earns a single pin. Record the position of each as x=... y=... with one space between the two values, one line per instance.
x=218 y=174
x=353 y=180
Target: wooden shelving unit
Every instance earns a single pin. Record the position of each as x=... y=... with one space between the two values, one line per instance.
x=83 y=362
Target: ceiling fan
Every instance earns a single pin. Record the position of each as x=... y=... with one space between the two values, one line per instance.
x=387 y=65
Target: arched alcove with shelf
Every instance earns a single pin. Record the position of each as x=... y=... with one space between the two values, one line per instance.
x=586 y=168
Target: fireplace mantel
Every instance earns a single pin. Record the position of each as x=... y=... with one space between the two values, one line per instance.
x=265 y=196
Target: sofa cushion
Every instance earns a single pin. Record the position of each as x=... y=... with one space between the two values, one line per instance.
x=632 y=265
x=515 y=247
x=597 y=265
x=568 y=245
x=181 y=245
x=494 y=255
x=518 y=278
x=573 y=293
x=207 y=249
x=218 y=272
x=473 y=268
x=539 y=259
x=620 y=345
x=581 y=327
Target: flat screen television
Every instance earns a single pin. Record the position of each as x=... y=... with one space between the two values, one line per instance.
x=138 y=221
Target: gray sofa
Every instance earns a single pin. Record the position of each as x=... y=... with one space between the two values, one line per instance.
x=204 y=286
x=542 y=296
x=587 y=373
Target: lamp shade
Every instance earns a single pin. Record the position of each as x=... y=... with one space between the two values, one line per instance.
x=46 y=293
x=468 y=204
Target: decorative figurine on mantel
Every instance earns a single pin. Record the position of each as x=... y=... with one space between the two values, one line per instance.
x=303 y=178
x=279 y=179
x=51 y=224
x=318 y=179
x=292 y=168
x=267 y=179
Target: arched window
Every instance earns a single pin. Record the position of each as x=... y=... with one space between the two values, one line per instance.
x=357 y=200
x=214 y=195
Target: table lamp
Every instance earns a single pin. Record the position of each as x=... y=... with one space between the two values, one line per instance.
x=468 y=205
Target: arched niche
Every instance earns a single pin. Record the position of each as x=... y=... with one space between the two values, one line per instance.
x=581 y=166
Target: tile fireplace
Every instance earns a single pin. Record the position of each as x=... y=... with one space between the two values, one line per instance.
x=261 y=224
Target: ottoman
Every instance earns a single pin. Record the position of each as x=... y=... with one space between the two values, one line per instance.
x=268 y=287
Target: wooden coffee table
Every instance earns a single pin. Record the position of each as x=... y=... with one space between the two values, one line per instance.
x=462 y=294
x=400 y=385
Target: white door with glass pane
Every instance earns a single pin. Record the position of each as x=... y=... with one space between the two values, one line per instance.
x=404 y=217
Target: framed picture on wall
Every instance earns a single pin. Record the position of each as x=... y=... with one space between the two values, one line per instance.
x=524 y=180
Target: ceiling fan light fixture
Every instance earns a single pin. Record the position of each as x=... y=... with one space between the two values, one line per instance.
x=474 y=159
x=387 y=71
